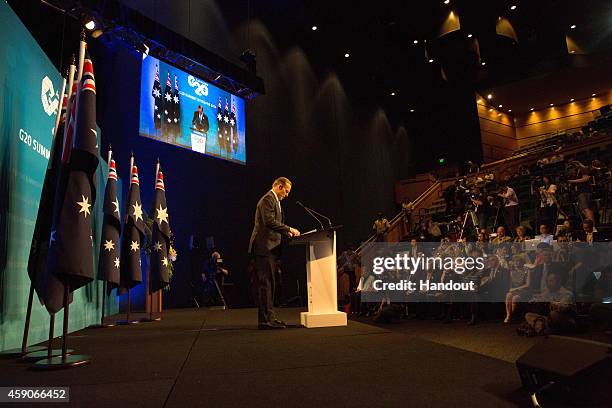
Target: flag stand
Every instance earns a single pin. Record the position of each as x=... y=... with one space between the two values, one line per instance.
x=150 y=296
x=127 y=319
x=49 y=351
x=101 y=325
x=24 y=349
x=65 y=360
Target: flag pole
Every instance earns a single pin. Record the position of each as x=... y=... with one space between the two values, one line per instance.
x=129 y=305
x=65 y=360
x=149 y=287
x=101 y=325
x=26 y=329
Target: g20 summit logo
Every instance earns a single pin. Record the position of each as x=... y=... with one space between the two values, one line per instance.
x=201 y=88
x=48 y=96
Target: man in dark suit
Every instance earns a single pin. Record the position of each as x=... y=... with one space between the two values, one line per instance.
x=264 y=246
x=200 y=120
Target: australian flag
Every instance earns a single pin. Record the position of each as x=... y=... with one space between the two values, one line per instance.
x=157 y=98
x=234 y=128
x=226 y=128
x=133 y=236
x=168 y=107
x=177 y=108
x=70 y=255
x=49 y=288
x=109 y=262
x=220 y=126
x=160 y=237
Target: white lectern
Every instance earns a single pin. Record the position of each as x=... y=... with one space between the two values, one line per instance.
x=321 y=279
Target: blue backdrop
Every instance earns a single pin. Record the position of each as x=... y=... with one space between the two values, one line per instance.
x=29 y=92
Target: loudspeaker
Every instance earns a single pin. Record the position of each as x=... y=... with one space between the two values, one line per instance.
x=567 y=371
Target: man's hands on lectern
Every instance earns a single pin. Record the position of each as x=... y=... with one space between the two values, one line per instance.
x=293 y=232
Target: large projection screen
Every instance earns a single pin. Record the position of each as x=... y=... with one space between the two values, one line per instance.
x=181 y=109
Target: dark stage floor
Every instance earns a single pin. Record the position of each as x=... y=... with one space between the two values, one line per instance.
x=218 y=359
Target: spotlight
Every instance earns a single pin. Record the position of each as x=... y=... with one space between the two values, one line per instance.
x=513 y=7
x=145 y=50
x=347 y=55
x=572 y=100
x=90 y=25
x=593 y=95
x=392 y=93
x=446 y=1
x=483 y=63
x=501 y=106
x=411 y=110
x=531 y=109
x=573 y=26
x=415 y=42
x=490 y=96
x=552 y=104
x=314 y=28
x=431 y=60
x=509 y=110
x=469 y=35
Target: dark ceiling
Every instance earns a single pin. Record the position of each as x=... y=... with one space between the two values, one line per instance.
x=379 y=36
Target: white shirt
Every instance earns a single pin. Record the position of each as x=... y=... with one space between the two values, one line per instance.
x=277 y=200
x=545 y=238
x=510 y=197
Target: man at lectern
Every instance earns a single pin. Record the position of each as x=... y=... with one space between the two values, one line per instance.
x=264 y=246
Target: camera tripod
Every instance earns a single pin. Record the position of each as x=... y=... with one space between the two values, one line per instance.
x=470 y=215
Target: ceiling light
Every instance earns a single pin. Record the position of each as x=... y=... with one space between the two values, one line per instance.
x=552 y=104
x=490 y=96
x=347 y=55
x=90 y=25
x=314 y=28
x=501 y=106
x=573 y=26
x=431 y=60
x=392 y=93
x=415 y=42
x=531 y=109
x=572 y=100
x=446 y=1
x=469 y=36
x=509 y=110
x=513 y=7
x=483 y=63
x=411 y=110
x=593 y=95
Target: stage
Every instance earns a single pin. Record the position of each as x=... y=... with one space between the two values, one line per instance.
x=218 y=358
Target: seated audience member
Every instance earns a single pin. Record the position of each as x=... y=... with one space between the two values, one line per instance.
x=501 y=237
x=555 y=304
x=544 y=236
x=588 y=234
x=521 y=234
x=494 y=284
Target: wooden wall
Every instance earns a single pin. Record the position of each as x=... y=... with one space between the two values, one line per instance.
x=536 y=125
x=497 y=133
x=502 y=133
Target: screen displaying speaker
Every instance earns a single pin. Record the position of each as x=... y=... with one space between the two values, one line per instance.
x=181 y=109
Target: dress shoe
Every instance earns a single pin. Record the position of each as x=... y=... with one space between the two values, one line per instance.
x=280 y=322
x=270 y=326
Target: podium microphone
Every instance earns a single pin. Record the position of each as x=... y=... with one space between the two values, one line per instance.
x=310 y=212
x=313 y=213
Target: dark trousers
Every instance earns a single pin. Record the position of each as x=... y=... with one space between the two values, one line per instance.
x=265 y=267
x=511 y=219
